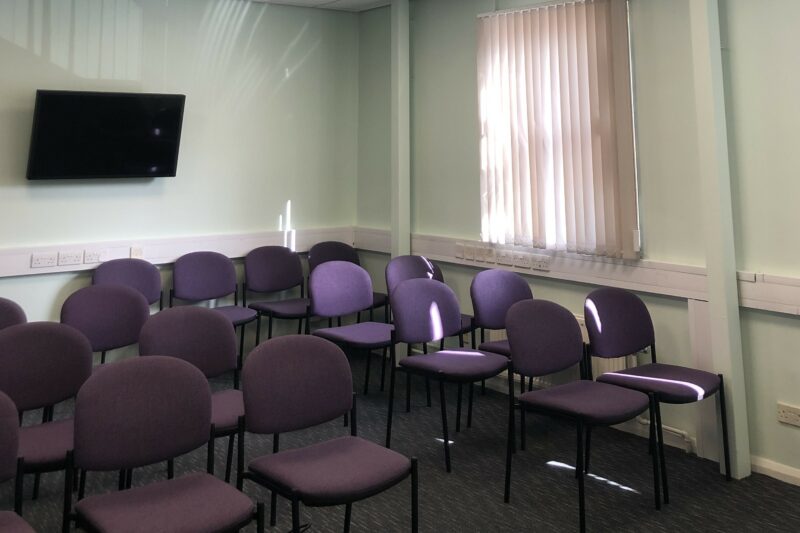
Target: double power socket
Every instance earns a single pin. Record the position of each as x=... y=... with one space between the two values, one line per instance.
x=489 y=254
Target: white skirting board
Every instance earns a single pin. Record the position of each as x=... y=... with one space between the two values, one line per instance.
x=775 y=470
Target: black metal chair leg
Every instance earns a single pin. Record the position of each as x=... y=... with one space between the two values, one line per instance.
x=414 y=496
x=723 y=414
x=469 y=404
x=383 y=369
x=82 y=485
x=260 y=517
x=511 y=438
x=300 y=326
x=229 y=458
x=522 y=428
x=521 y=384
x=588 y=448
x=660 y=446
x=653 y=454
x=408 y=392
x=444 y=426
x=458 y=408
x=102 y=357
x=428 y=390
x=295 y=515
x=392 y=373
x=19 y=485
x=579 y=470
x=366 y=373
x=269 y=327
x=348 y=511
x=483 y=387
x=258 y=329
x=273 y=508
x=170 y=468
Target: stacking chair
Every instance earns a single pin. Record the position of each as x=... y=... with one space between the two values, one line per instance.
x=426 y=310
x=295 y=382
x=10 y=522
x=340 y=288
x=140 y=412
x=493 y=292
x=41 y=365
x=325 y=251
x=110 y=316
x=204 y=276
x=11 y=313
x=545 y=338
x=271 y=269
x=136 y=273
x=205 y=339
x=619 y=324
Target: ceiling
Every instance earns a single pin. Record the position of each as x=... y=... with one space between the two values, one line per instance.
x=341 y=5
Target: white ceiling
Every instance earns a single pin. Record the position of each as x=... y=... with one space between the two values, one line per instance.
x=341 y=5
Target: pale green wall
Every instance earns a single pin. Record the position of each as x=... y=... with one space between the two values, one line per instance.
x=763 y=110
x=271 y=115
x=374 y=88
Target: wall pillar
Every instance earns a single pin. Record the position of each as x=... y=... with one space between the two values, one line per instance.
x=400 y=131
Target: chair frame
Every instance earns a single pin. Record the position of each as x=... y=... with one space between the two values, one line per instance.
x=270 y=316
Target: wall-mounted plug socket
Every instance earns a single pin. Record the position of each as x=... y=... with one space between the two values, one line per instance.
x=489 y=254
x=540 y=262
x=505 y=257
x=92 y=256
x=522 y=260
x=459 y=250
x=480 y=253
x=44 y=260
x=137 y=252
x=469 y=252
x=788 y=414
x=70 y=257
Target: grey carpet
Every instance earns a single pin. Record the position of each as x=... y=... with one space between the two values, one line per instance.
x=544 y=497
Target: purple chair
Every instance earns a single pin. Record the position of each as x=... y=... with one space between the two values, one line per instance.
x=619 y=324
x=493 y=292
x=295 y=382
x=405 y=267
x=206 y=340
x=9 y=444
x=11 y=313
x=42 y=364
x=325 y=251
x=426 y=310
x=339 y=288
x=110 y=316
x=545 y=338
x=203 y=276
x=140 y=412
x=136 y=273
x=271 y=269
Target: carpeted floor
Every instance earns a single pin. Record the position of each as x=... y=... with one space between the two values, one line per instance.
x=544 y=491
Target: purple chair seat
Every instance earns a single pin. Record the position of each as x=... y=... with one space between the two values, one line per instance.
x=236 y=314
x=12 y=523
x=459 y=364
x=580 y=399
x=672 y=384
x=366 y=335
x=196 y=502
x=361 y=469
x=502 y=347
x=293 y=308
x=45 y=445
x=226 y=408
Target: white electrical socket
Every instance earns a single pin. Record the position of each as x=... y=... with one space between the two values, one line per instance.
x=459 y=250
x=94 y=256
x=505 y=257
x=480 y=254
x=489 y=254
x=137 y=252
x=469 y=253
x=788 y=414
x=70 y=257
x=522 y=260
x=540 y=262
x=44 y=260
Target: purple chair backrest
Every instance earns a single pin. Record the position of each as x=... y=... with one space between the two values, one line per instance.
x=43 y=363
x=199 y=276
x=110 y=316
x=272 y=269
x=199 y=335
x=9 y=437
x=425 y=310
x=406 y=267
x=618 y=322
x=326 y=251
x=544 y=337
x=141 y=411
x=11 y=313
x=294 y=382
x=135 y=273
x=339 y=288
x=493 y=293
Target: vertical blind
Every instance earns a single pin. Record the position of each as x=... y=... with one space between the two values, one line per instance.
x=556 y=147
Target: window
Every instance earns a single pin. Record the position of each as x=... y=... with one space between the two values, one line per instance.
x=556 y=147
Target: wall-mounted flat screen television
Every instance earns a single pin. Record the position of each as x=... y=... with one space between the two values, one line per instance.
x=81 y=135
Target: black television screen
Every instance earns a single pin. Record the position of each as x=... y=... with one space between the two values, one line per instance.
x=104 y=135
